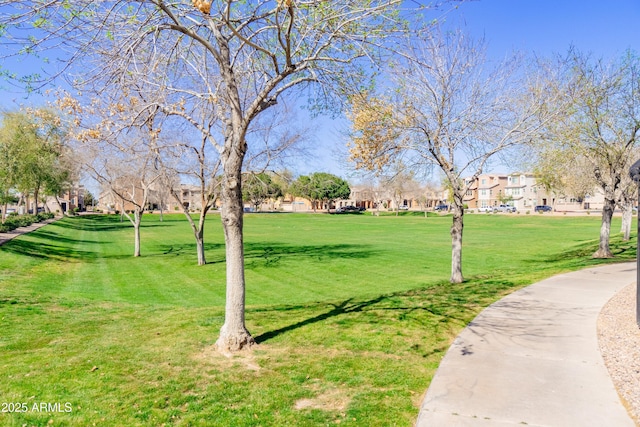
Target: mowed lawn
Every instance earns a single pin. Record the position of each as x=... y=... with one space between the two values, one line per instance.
x=352 y=314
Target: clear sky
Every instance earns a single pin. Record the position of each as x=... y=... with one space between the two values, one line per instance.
x=603 y=27
x=606 y=28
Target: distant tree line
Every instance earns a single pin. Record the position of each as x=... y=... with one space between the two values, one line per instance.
x=35 y=161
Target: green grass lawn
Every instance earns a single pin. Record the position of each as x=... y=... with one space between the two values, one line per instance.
x=352 y=312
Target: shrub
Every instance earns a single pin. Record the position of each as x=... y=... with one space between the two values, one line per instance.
x=7 y=226
x=43 y=216
x=16 y=221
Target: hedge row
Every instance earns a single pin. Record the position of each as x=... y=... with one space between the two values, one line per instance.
x=15 y=221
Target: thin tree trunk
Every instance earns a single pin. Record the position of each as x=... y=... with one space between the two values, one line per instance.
x=35 y=198
x=234 y=335
x=136 y=226
x=627 y=219
x=199 y=234
x=202 y=260
x=456 y=244
x=197 y=229
x=605 y=230
x=4 y=212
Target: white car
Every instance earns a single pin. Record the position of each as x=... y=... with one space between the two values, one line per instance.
x=504 y=208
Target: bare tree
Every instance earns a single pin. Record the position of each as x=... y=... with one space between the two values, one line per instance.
x=450 y=110
x=397 y=182
x=130 y=179
x=257 y=51
x=628 y=198
x=562 y=171
x=602 y=124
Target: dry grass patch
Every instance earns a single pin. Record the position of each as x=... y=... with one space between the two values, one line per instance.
x=225 y=360
x=330 y=399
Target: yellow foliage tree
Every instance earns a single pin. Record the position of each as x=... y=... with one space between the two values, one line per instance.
x=376 y=135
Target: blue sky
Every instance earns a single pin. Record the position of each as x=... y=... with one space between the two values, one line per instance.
x=604 y=28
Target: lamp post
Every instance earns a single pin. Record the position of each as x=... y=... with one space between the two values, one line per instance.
x=635 y=176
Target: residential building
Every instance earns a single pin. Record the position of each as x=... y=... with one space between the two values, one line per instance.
x=491 y=188
x=522 y=191
x=68 y=200
x=471 y=196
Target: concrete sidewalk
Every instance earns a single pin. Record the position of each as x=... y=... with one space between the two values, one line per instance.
x=5 y=237
x=533 y=359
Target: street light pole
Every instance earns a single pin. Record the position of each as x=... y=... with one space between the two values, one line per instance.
x=634 y=172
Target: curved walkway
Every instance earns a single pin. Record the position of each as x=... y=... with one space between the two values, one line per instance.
x=533 y=359
x=5 y=237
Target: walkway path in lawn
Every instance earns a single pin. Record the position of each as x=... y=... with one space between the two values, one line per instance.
x=5 y=237
x=533 y=359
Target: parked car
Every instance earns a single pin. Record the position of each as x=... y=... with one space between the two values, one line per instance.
x=346 y=209
x=9 y=212
x=403 y=207
x=441 y=208
x=543 y=208
x=487 y=209
x=504 y=208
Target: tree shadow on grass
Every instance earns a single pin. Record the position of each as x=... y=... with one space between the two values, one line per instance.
x=47 y=234
x=100 y=223
x=270 y=254
x=582 y=253
x=42 y=250
x=344 y=307
x=267 y=254
x=185 y=249
x=424 y=306
x=91 y=223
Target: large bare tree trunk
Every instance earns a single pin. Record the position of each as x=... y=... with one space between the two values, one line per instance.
x=234 y=335
x=605 y=230
x=456 y=244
